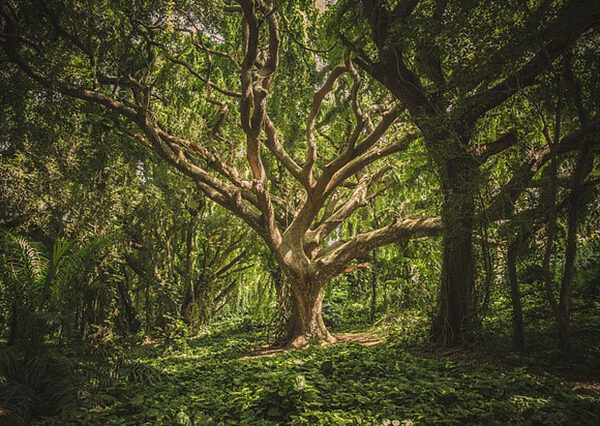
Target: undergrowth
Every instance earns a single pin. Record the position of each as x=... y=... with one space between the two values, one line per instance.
x=208 y=381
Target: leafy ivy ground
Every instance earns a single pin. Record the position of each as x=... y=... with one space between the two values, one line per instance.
x=209 y=381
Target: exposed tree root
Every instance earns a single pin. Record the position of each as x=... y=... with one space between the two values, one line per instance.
x=364 y=339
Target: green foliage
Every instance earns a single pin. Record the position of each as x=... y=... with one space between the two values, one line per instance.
x=284 y=396
x=36 y=381
x=37 y=289
x=211 y=382
x=38 y=285
x=122 y=284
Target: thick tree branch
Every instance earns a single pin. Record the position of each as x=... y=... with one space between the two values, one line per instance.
x=490 y=149
x=333 y=259
x=502 y=205
x=206 y=80
x=335 y=216
x=311 y=152
x=361 y=161
x=255 y=86
x=575 y=18
x=273 y=144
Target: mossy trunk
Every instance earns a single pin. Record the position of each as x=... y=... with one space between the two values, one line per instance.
x=455 y=320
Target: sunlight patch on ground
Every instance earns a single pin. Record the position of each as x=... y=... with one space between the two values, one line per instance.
x=365 y=339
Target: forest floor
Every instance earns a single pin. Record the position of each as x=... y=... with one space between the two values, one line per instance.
x=365 y=339
x=221 y=379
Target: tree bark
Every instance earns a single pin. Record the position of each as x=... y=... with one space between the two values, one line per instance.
x=148 y=314
x=306 y=319
x=373 y=297
x=284 y=303
x=575 y=212
x=186 y=302
x=187 y=275
x=454 y=322
x=489 y=272
x=515 y=295
x=131 y=316
x=133 y=324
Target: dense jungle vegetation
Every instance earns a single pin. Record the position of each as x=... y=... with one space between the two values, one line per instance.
x=310 y=212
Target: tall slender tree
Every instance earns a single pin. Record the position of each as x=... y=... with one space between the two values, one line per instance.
x=451 y=65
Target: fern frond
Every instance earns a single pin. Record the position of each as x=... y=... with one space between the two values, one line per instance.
x=10 y=358
x=60 y=250
x=23 y=263
x=79 y=259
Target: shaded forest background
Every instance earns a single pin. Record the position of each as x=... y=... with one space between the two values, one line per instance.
x=424 y=170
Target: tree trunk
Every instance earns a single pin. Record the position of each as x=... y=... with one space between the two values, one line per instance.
x=575 y=212
x=515 y=295
x=187 y=275
x=489 y=276
x=200 y=305
x=284 y=303
x=373 y=296
x=454 y=322
x=148 y=325
x=306 y=319
x=186 y=304
x=133 y=324
x=563 y=308
x=563 y=312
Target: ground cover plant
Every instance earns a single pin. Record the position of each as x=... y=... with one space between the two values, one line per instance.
x=221 y=379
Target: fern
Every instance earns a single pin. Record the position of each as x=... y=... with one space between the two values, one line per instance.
x=80 y=259
x=77 y=265
x=15 y=404
x=23 y=264
x=34 y=286
x=10 y=358
x=34 y=383
x=60 y=250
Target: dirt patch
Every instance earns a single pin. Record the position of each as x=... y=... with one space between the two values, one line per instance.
x=588 y=388
x=365 y=339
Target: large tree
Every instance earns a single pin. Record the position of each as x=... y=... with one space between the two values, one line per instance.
x=453 y=65
x=198 y=85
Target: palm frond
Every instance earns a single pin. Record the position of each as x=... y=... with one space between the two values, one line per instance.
x=23 y=262
x=79 y=259
x=60 y=250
